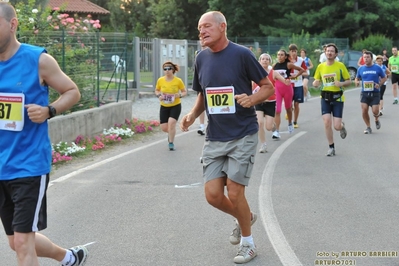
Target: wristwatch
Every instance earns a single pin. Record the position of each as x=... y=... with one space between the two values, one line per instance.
x=51 y=111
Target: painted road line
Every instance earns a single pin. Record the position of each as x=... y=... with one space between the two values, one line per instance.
x=270 y=223
x=188 y=186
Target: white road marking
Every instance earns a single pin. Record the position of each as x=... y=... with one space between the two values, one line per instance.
x=188 y=186
x=88 y=244
x=276 y=236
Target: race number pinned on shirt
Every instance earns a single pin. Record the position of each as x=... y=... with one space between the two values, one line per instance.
x=220 y=100
x=12 y=111
x=329 y=79
x=368 y=85
x=168 y=98
x=395 y=68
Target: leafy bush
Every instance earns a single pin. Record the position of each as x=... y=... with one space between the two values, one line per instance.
x=374 y=43
x=311 y=45
x=73 y=41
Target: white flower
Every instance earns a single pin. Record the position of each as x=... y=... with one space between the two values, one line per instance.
x=119 y=132
x=73 y=149
x=34 y=11
x=31 y=20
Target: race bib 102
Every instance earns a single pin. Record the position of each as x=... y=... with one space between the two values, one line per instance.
x=220 y=100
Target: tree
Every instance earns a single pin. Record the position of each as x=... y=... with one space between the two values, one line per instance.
x=130 y=16
x=176 y=19
x=243 y=17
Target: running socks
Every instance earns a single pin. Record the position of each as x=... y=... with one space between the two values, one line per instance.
x=69 y=258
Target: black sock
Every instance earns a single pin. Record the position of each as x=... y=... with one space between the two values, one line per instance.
x=332 y=146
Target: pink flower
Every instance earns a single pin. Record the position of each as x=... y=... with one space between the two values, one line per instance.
x=56 y=9
x=103 y=39
x=56 y=27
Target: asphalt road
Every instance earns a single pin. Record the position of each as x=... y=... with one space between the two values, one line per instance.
x=144 y=205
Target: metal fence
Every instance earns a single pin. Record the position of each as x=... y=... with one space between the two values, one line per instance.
x=108 y=66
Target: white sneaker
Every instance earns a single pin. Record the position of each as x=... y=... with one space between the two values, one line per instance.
x=80 y=253
x=290 y=128
x=201 y=130
x=245 y=253
x=263 y=148
x=276 y=135
x=330 y=152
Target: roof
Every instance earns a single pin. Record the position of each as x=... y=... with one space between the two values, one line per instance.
x=78 y=6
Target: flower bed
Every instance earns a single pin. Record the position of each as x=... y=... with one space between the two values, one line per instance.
x=63 y=151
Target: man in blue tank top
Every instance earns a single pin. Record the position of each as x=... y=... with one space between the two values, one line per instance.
x=222 y=75
x=26 y=73
x=373 y=77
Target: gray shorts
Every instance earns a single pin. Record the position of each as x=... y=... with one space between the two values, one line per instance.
x=232 y=159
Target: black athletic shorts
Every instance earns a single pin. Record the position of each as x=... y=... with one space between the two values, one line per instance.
x=268 y=108
x=166 y=112
x=23 y=204
x=394 y=78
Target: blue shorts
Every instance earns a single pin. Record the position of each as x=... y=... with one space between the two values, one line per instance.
x=334 y=107
x=370 y=98
x=298 y=94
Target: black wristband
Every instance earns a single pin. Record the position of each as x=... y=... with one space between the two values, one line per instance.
x=51 y=111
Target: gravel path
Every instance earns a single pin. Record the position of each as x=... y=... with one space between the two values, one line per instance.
x=147 y=108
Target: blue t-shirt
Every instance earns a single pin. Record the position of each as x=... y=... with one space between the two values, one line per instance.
x=370 y=76
x=235 y=66
x=24 y=153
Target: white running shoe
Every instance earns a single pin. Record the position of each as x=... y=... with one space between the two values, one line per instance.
x=246 y=253
x=80 y=253
x=290 y=128
x=276 y=135
x=331 y=152
x=263 y=148
x=201 y=130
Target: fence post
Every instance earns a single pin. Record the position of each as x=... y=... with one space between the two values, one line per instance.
x=137 y=62
x=156 y=61
x=98 y=67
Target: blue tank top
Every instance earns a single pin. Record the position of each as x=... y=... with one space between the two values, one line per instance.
x=306 y=59
x=24 y=153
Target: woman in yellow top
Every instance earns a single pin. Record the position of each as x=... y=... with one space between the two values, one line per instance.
x=170 y=90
